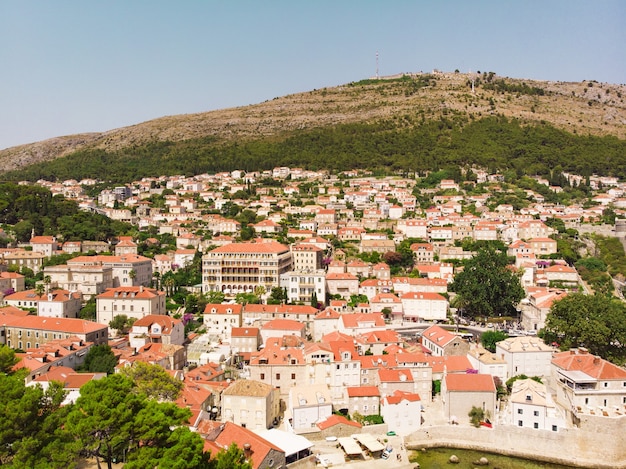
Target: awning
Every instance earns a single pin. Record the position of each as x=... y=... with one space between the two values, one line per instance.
x=350 y=446
x=290 y=443
x=370 y=442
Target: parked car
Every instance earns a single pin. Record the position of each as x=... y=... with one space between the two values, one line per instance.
x=386 y=452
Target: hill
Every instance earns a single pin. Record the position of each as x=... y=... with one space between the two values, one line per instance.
x=423 y=106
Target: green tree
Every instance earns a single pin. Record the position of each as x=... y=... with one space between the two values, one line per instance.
x=597 y=322
x=487 y=286
x=121 y=323
x=490 y=338
x=7 y=359
x=215 y=297
x=153 y=381
x=100 y=359
x=232 y=458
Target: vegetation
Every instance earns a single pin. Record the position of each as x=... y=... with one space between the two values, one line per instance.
x=414 y=144
x=117 y=418
x=30 y=208
x=477 y=415
x=100 y=359
x=489 y=339
x=597 y=322
x=487 y=287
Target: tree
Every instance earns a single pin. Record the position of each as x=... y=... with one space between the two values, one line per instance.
x=597 y=322
x=490 y=338
x=153 y=381
x=486 y=286
x=100 y=359
x=232 y=458
x=121 y=323
x=215 y=297
x=7 y=359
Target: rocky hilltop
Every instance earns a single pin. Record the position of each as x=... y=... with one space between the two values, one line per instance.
x=584 y=108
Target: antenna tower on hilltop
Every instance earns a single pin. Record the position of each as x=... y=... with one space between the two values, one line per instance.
x=472 y=78
x=377 y=65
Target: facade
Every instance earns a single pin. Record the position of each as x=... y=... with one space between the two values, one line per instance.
x=30 y=259
x=304 y=285
x=442 y=342
x=25 y=332
x=309 y=405
x=60 y=304
x=220 y=319
x=528 y=356
x=127 y=270
x=402 y=412
x=363 y=399
x=587 y=383
x=461 y=392
x=87 y=279
x=134 y=302
x=531 y=406
x=156 y=328
x=424 y=306
x=307 y=256
x=342 y=284
x=250 y=404
x=241 y=267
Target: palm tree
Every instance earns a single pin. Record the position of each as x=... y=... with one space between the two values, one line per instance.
x=157 y=276
x=132 y=275
x=47 y=280
x=40 y=288
x=169 y=284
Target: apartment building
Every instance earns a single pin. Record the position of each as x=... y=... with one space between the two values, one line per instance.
x=134 y=302
x=241 y=267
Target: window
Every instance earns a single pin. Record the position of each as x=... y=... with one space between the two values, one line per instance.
x=535 y=425
x=277 y=375
x=293 y=376
x=520 y=411
x=554 y=428
x=262 y=376
x=536 y=413
x=520 y=423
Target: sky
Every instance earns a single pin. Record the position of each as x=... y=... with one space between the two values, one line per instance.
x=73 y=66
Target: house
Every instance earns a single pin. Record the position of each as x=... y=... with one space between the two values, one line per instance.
x=127 y=270
x=308 y=406
x=461 y=392
x=354 y=324
x=306 y=256
x=424 y=253
x=339 y=427
x=125 y=245
x=156 y=329
x=241 y=267
x=488 y=363
x=344 y=284
x=71 y=380
x=363 y=399
x=244 y=341
x=325 y=322
x=134 y=302
x=46 y=245
x=441 y=342
x=11 y=282
x=87 y=279
x=260 y=453
x=304 y=286
x=537 y=305
x=220 y=319
x=24 y=332
x=60 y=304
x=586 y=383
x=402 y=412
x=525 y=355
x=250 y=404
x=543 y=246
x=424 y=306
x=19 y=259
x=278 y=328
x=531 y=406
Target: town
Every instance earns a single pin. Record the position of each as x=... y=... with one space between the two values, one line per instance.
x=322 y=327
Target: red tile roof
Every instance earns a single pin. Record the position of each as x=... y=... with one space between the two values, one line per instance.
x=470 y=383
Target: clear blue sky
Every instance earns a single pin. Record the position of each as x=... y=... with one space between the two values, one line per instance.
x=85 y=65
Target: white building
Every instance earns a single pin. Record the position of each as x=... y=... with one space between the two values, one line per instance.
x=529 y=356
x=532 y=407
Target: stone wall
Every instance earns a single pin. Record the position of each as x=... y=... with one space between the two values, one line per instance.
x=600 y=446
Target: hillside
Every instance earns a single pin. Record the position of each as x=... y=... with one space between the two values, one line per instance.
x=586 y=108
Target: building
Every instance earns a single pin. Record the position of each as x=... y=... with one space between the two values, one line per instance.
x=220 y=319
x=531 y=406
x=25 y=332
x=363 y=399
x=303 y=286
x=156 y=329
x=488 y=363
x=342 y=284
x=127 y=270
x=278 y=328
x=88 y=279
x=525 y=355
x=588 y=383
x=307 y=256
x=244 y=341
x=250 y=404
x=402 y=412
x=442 y=342
x=461 y=392
x=60 y=304
x=424 y=306
x=308 y=406
x=46 y=245
x=30 y=259
x=134 y=302
x=241 y=267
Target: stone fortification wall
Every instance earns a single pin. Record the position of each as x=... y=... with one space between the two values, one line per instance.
x=599 y=446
